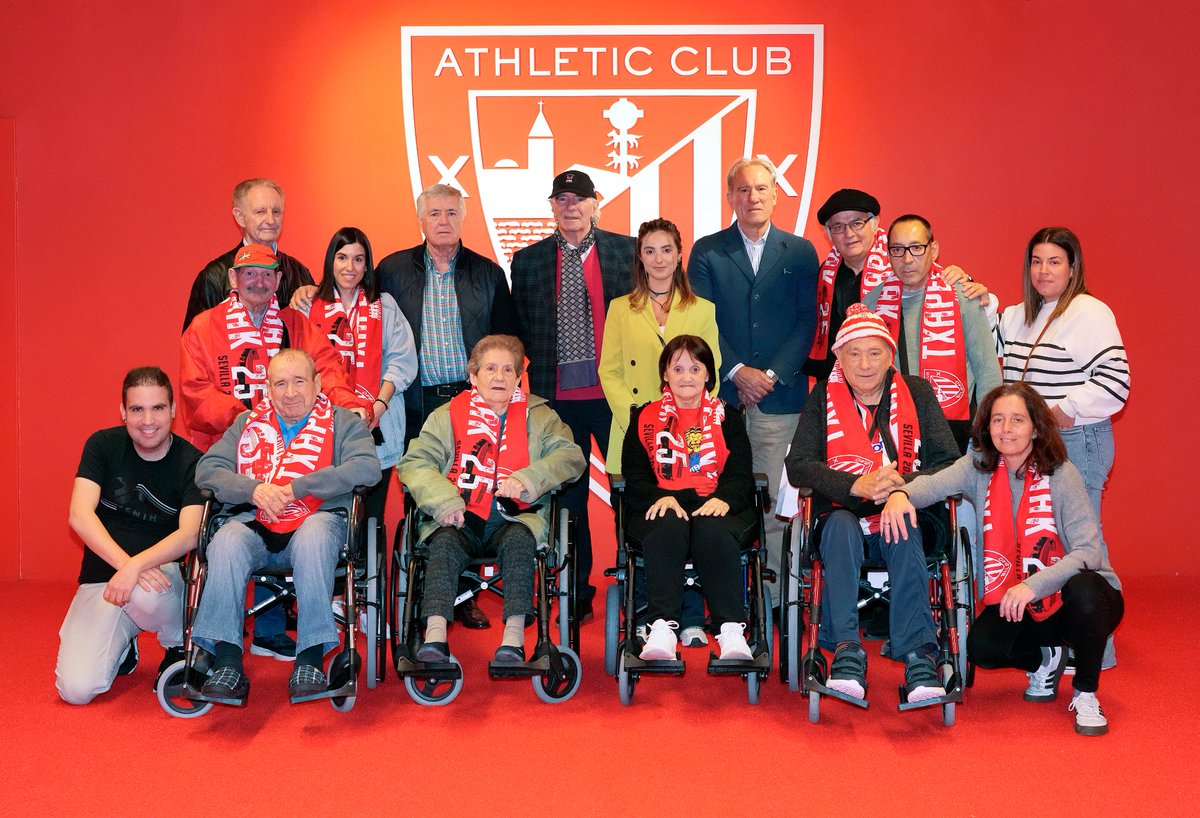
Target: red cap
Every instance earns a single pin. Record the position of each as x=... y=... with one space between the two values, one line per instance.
x=255 y=255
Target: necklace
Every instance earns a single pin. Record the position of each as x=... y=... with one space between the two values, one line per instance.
x=656 y=292
x=662 y=305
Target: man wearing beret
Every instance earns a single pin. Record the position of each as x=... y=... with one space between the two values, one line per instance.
x=857 y=263
x=561 y=289
x=762 y=280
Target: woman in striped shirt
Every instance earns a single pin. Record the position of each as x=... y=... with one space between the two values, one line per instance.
x=1065 y=344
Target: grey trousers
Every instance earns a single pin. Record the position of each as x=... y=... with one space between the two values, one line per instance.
x=451 y=551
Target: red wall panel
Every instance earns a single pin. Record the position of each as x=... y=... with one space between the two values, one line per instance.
x=992 y=119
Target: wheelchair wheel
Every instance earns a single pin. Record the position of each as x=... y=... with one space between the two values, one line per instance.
x=342 y=669
x=965 y=608
x=948 y=714
x=814 y=706
x=376 y=649
x=564 y=580
x=170 y=694
x=434 y=692
x=564 y=688
x=795 y=641
x=343 y=704
x=626 y=682
x=753 y=685
x=612 y=628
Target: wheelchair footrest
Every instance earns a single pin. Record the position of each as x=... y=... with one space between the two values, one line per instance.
x=671 y=667
x=720 y=667
x=519 y=670
x=189 y=692
x=952 y=696
x=813 y=685
x=442 y=671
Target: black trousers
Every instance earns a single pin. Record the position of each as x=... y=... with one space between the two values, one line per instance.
x=586 y=419
x=1091 y=610
x=714 y=546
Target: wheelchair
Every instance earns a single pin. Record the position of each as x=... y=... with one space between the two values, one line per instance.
x=802 y=664
x=623 y=610
x=359 y=612
x=553 y=668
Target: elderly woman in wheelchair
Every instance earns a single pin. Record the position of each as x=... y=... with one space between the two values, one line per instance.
x=478 y=467
x=866 y=432
x=689 y=494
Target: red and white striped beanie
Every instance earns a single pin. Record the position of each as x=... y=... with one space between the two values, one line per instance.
x=862 y=323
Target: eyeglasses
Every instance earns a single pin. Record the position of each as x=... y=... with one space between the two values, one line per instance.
x=838 y=229
x=898 y=251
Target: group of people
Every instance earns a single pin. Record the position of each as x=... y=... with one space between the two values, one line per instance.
x=688 y=379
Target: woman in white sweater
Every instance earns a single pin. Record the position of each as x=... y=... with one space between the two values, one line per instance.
x=1066 y=345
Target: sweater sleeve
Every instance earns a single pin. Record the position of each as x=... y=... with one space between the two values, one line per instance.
x=958 y=478
x=399 y=349
x=982 y=362
x=1091 y=336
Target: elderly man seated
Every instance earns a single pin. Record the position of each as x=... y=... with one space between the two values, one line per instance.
x=478 y=466
x=867 y=431
x=294 y=456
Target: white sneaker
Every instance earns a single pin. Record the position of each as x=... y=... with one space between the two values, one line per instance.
x=693 y=637
x=1089 y=718
x=660 y=643
x=733 y=642
x=1043 y=682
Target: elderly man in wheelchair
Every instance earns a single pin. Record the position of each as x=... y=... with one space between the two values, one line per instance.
x=294 y=457
x=866 y=432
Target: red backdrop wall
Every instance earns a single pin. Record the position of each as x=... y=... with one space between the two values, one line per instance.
x=124 y=127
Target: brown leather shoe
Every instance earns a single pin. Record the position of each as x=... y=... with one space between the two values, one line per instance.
x=470 y=614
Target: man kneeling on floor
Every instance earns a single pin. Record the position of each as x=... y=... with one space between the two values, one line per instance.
x=866 y=432
x=294 y=456
x=136 y=507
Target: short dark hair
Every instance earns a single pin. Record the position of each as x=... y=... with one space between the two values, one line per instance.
x=695 y=346
x=1049 y=451
x=1068 y=242
x=910 y=217
x=370 y=283
x=147 y=376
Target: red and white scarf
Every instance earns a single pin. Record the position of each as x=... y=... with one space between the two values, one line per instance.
x=847 y=447
x=875 y=270
x=1008 y=554
x=943 y=356
x=262 y=456
x=357 y=335
x=677 y=465
x=243 y=350
x=484 y=454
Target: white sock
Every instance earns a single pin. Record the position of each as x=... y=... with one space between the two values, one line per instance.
x=435 y=629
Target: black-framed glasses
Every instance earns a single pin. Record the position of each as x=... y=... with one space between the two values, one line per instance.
x=857 y=225
x=898 y=250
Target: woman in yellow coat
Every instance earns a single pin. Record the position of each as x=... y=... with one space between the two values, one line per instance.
x=638 y=326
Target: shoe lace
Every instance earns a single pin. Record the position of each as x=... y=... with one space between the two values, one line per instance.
x=727 y=634
x=1086 y=705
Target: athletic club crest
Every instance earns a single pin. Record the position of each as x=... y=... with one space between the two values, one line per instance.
x=996 y=568
x=946 y=385
x=655 y=115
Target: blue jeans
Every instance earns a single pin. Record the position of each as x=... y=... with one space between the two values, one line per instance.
x=842 y=553
x=1091 y=449
x=236 y=551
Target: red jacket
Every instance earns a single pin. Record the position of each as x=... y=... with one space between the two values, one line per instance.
x=208 y=408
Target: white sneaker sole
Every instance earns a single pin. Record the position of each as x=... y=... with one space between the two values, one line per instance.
x=649 y=654
x=279 y=657
x=847 y=686
x=921 y=693
x=737 y=654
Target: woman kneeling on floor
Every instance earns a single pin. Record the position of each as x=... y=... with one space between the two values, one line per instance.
x=689 y=495
x=489 y=446
x=1042 y=550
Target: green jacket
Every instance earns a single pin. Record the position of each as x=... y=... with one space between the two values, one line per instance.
x=554 y=459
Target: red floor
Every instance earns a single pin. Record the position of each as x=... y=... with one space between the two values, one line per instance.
x=688 y=746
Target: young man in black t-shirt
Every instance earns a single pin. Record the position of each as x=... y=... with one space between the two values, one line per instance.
x=136 y=507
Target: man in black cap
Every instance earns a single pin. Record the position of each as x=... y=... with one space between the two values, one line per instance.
x=561 y=288
x=857 y=263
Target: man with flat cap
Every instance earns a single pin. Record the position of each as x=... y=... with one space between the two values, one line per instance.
x=857 y=263
x=561 y=289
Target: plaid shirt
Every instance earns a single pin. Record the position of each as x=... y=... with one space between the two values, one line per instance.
x=443 y=356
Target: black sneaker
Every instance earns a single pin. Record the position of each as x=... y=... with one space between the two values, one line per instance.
x=173 y=655
x=921 y=678
x=278 y=646
x=129 y=660
x=848 y=675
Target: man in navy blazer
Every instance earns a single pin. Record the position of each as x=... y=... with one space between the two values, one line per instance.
x=561 y=289
x=763 y=281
